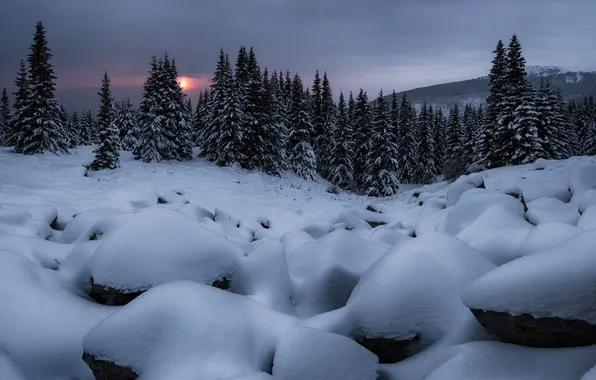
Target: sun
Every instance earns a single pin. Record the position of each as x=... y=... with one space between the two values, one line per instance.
x=184 y=82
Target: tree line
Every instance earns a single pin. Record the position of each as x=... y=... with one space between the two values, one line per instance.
x=272 y=122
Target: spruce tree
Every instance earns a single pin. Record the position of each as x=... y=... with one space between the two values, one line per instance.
x=282 y=110
x=88 y=131
x=394 y=114
x=425 y=165
x=488 y=137
x=455 y=163
x=468 y=141
x=406 y=142
x=527 y=146
x=341 y=168
x=201 y=120
x=361 y=126
x=176 y=120
x=380 y=176
x=478 y=144
x=242 y=72
x=75 y=123
x=329 y=119
x=301 y=156
x=127 y=123
x=42 y=131
x=22 y=108
x=5 y=116
x=106 y=155
x=151 y=139
x=439 y=138
x=316 y=106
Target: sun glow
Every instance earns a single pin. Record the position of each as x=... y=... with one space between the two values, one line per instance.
x=185 y=83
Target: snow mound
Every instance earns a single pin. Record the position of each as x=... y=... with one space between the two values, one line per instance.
x=552 y=210
x=588 y=219
x=270 y=283
x=389 y=236
x=325 y=271
x=587 y=199
x=305 y=353
x=9 y=370
x=19 y=222
x=413 y=290
x=42 y=252
x=502 y=246
x=547 y=235
x=494 y=218
x=83 y=222
x=581 y=179
x=184 y=330
x=558 y=282
x=474 y=204
x=319 y=228
x=590 y=375
x=159 y=245
x=42 y=324
x=497 y=361
x=294 y=240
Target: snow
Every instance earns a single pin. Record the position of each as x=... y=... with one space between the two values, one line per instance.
x=311 y=271
x=496 y=361
x=407 y=306
x=557 y=282
x=185 y=330
x=160 y=245
x=306 y=353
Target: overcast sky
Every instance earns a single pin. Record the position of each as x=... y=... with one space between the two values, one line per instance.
x=370 y=44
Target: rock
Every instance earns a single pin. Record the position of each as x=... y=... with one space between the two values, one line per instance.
x=108 y=296
x=389 y=351
x=106 y=370
x=526 y=330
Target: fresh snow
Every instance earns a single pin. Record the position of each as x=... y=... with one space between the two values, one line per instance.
x=310 y=271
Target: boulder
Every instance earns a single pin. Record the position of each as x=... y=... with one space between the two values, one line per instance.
x=106 y=370
x=389 y=351
x=526 y=330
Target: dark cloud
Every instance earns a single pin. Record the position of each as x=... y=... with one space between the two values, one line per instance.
x=371 y=44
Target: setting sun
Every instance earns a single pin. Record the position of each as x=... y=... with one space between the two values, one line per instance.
x=185 y=83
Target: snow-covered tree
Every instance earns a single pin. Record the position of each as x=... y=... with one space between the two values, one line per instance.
x=406 y=142
x=88 y=131
x=455 y=163
x=151 y=140
x=361 y=124
x=75 y=123
x=328 y=119
x=41 y=131
x=468 y=133
x=341 y=168
x=5 y=116
x=380 y=176
x=301 y=156
x=440 y=140
x=128 y=125
x=497 y=83
x=106 y=155
x=424 y=171
x=526 y=146
x=22 y=108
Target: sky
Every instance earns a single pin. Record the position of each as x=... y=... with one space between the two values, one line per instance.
x=369 y=44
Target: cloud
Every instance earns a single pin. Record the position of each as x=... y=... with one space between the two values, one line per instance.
x=370 y=44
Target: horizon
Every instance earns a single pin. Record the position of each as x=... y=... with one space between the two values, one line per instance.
x=348 y=41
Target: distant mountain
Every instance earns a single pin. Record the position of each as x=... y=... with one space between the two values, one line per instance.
x=573 y=84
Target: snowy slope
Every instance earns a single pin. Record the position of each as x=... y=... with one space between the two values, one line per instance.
x=221 y=273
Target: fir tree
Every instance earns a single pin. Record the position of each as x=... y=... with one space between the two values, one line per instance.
x=127 y=123
x=42 y=131
x=282 y=111
x=255 y=117
x=229 y=138
x=468 y=140
x=497 y=84
x=455 y=162
x=361 y=125
x=341 y=169
x=88 y=131
x=242 y=72
x=329 y=119
x=316 y=107
x=478 y=137
x=5 y=116
x=176 y=121
x=380 y=177
x=301 y=156
x=151 y=117
x=425 y=166
x=406 y=143
x=201 y=120
x=106 y=155
x=526 y=145
x=439 y=138
x=22 y=108
x=75 y=123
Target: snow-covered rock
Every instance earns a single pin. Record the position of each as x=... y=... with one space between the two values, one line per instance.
x=546 y=210
x=184 y=330
x=502 y=246
x=581 y=179
x=410 y=296
x=493 y=219
x=547 y=235
x=9 y=370
x=21 y=222
x=306 y=353
x=544 y=300
x=499 y=361
x=389 y=236
x=587 y=199
x=42 y=325
x=159 y=245
x=325 y=271
x=588 y=219
x=83 y=222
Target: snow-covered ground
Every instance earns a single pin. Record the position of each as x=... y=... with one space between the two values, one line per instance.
x=192 y=271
